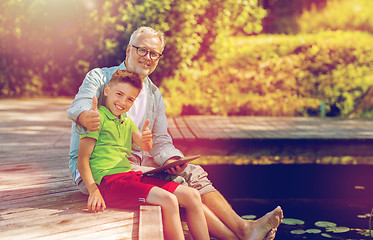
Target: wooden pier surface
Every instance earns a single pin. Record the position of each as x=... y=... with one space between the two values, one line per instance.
x=272 y=136
x=39 y=200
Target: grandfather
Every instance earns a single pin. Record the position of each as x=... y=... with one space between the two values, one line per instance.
x=142 y=56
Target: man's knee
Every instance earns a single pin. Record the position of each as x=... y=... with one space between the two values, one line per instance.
x=197 y=178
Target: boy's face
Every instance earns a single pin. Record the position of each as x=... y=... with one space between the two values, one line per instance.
x=143 y=65
x=120 y=97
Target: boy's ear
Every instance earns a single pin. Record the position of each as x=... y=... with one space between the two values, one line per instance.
x=106 y=90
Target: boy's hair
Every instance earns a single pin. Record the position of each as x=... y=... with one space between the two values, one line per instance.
x=147 y=30
x=126 y=76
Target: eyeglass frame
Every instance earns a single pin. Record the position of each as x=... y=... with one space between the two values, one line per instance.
x=150 y=53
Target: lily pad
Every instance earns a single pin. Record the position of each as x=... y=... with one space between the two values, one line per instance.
x=338 y=229
x=325 y=224
x=292 y=221
x=298 y=232
x=365 y=232
x=249 y=217
x=364 y=215
x=326 y=235
x=314 y=231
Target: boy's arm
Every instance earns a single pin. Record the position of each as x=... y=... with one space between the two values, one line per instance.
x=144 y=139
x=95 y=201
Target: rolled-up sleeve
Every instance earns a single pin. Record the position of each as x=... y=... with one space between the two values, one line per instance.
x=163 y=148
x=92 y=85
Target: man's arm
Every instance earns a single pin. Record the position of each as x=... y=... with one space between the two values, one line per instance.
x=79 y=110
x=90 y=119
x=95 y=201
x=163 y=149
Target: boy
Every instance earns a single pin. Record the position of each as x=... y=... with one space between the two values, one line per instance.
x=106 y=171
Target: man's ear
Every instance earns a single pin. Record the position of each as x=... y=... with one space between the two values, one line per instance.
x=128 y=50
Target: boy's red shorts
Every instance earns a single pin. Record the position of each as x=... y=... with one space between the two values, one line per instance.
x=130 y=189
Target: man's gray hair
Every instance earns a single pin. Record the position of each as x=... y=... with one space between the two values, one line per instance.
x=149 y=31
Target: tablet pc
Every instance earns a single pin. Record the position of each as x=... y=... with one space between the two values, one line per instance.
x=173 y=164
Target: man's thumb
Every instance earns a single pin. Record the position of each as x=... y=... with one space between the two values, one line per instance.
x=145 y=125
x=94 y=104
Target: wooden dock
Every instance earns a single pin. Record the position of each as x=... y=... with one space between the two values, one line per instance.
x=272 y=136
x=39 y=200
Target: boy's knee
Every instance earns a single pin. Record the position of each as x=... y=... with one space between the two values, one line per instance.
x=170 y=200
x=196 y=195
x=192 y=195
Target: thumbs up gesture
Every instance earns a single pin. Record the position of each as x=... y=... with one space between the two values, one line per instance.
x=147 y=137
x=91 y=118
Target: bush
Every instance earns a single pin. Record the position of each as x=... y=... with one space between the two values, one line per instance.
x=195 y=28
x=282 y=14
x=346 y=15
x=276 y=76
x=47 y=47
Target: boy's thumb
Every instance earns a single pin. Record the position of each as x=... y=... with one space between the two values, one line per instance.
x=145 y=125
x=94 y=104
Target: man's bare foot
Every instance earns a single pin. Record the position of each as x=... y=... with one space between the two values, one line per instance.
x=261 y=228
x=271 y=234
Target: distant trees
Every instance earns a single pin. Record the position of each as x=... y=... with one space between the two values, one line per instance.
x=47 y=46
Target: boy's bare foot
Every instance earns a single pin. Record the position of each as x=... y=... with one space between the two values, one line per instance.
x=263 y=228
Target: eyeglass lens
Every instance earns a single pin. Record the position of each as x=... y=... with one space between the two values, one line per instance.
x=143 y=52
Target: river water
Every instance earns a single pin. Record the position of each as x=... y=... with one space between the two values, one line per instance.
x=339 y=194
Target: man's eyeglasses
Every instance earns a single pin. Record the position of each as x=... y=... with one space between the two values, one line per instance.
x=143 y=52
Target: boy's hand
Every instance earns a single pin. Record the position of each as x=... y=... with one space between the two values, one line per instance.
x=91 y=118
x=96 y=202
x=147 y=136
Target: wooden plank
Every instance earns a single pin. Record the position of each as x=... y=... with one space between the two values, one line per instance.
x=184 y=129
x=199 y=128
x=72 y=225
x=173 y=130
x=150 y=223
x=214 y=127
x=63 y=215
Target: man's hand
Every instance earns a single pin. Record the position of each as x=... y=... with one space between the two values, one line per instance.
x=147 y=136
x=91 y=118
x=175 y=170
x=96 y=202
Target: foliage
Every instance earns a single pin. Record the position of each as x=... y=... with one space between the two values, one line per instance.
x=347 y=15
x=276 y=75
x=283 y=14
x=194 y=28
x=312 y=16
x=48 y=46
x=36 y=48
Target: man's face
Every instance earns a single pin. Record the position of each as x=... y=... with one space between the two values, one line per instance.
x=120 y=97
x=143 y=65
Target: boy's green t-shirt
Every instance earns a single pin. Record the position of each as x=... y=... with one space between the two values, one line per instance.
x=113 y=145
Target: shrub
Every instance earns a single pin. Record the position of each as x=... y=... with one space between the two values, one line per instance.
x=347 y=15
x=276 y=76
x=47 y=47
